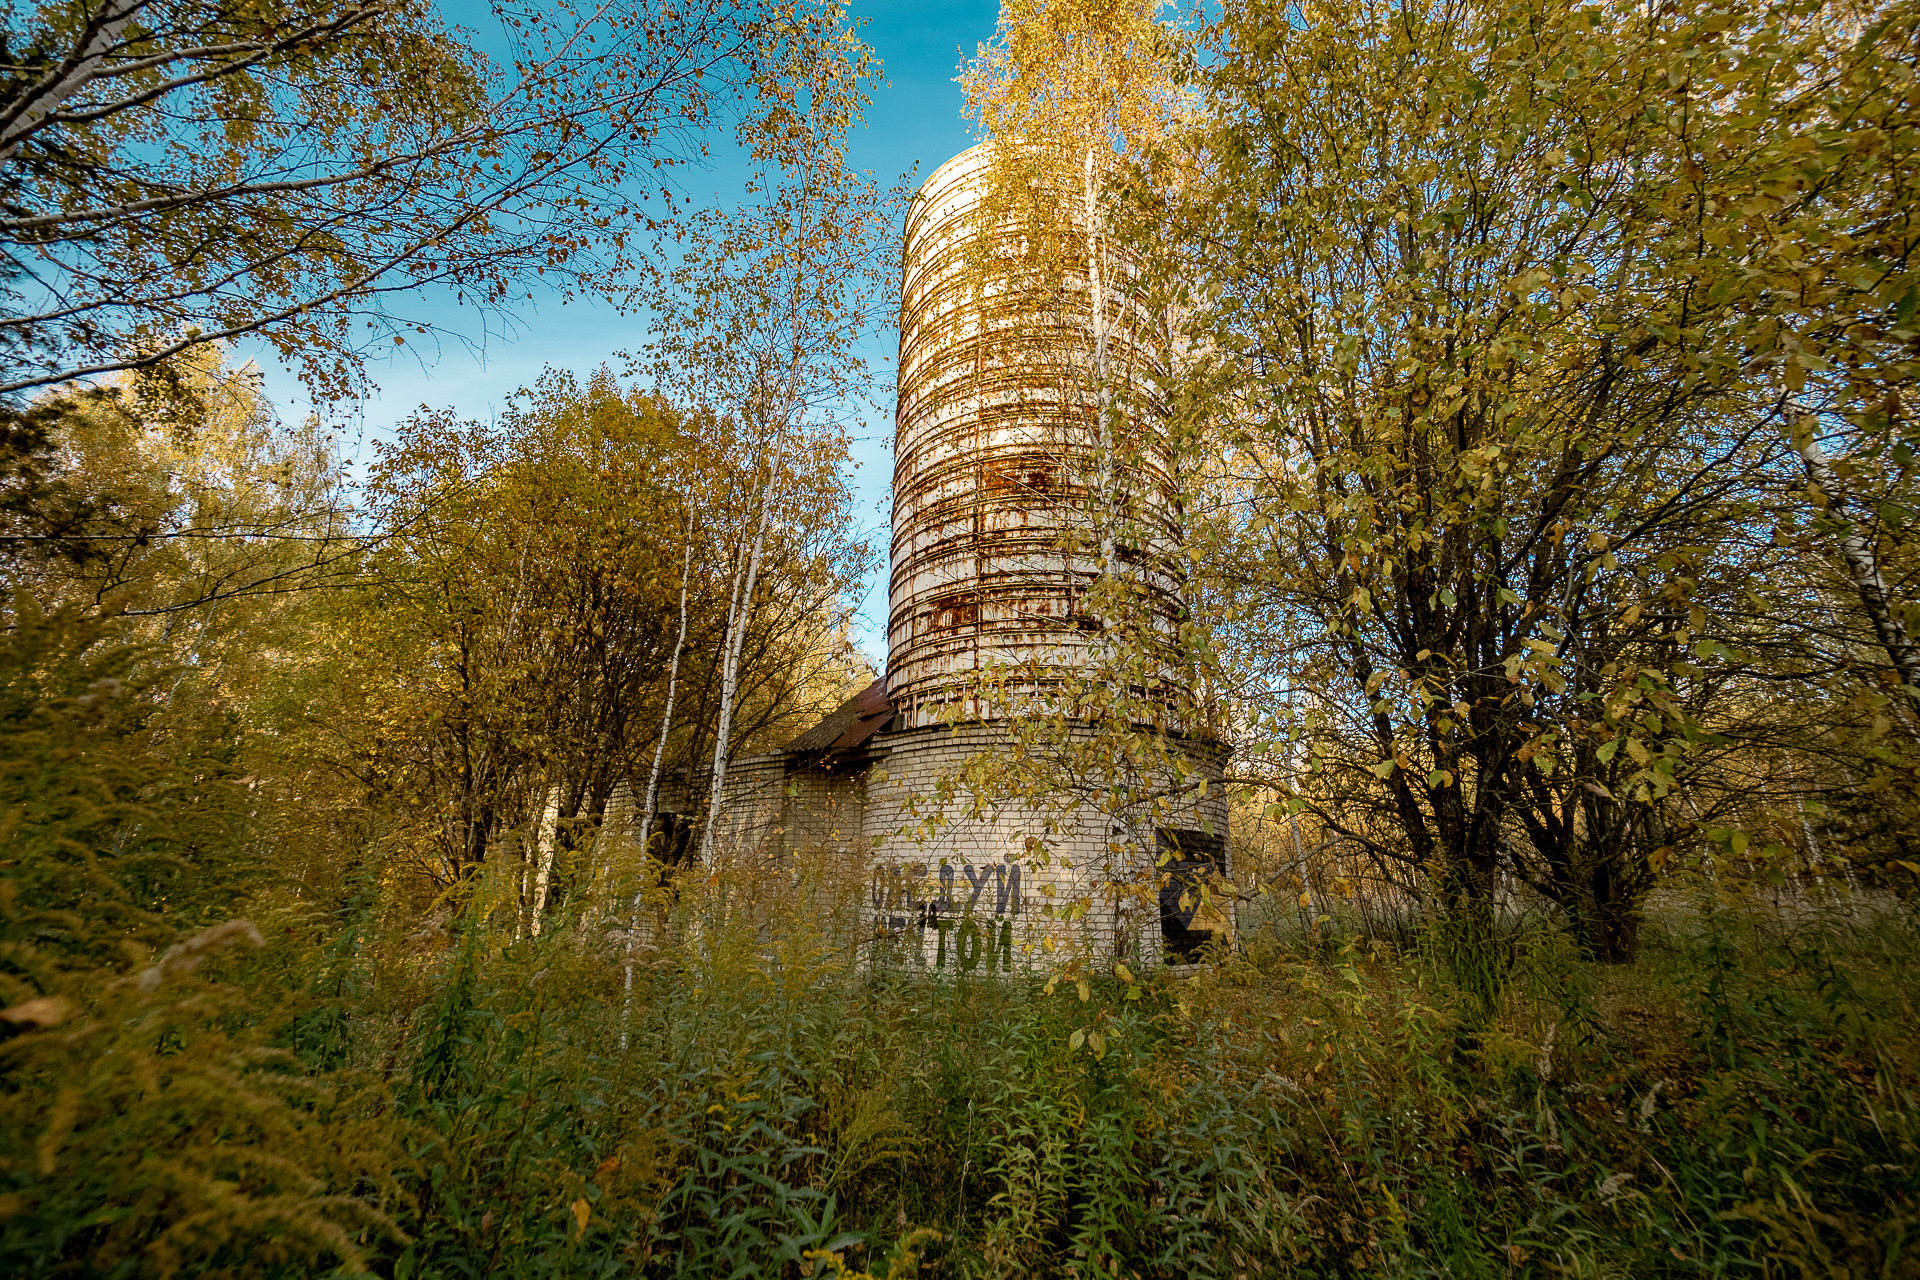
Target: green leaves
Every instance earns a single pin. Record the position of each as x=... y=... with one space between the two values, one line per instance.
x=1094 y=1040
x=273 y=168
x=1514 y=388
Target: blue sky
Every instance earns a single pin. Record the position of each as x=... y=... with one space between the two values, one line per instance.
x=915 y=121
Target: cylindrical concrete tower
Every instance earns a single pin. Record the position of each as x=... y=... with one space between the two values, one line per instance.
x=1033 y=534
x=1003 y=477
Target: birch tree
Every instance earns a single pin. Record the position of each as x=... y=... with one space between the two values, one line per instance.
x=758 y=324
x=651 y=804
x=1072 y=100
x=1067 y=95
x=178 y=172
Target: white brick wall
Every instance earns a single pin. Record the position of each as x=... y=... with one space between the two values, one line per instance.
x=955 y=889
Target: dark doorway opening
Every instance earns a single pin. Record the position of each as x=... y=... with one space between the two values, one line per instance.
x=671 y=841
x=1193 y=859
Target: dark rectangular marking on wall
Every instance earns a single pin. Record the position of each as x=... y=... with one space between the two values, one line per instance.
x=955 y=609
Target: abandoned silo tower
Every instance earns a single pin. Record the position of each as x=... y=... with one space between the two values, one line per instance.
x=1000 y=458
x=1013 y=493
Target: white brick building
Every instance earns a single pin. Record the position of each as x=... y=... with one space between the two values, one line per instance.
x=1013 y=885
x=1018 y=487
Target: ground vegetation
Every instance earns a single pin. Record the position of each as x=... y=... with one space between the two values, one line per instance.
x=1536 y=381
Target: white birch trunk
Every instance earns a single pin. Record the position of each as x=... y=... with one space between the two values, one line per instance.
x=673 y=684
x=545 y=837
x=1102 y=379
x=739 y=613
x=1864 y=569
x=653 y=783
x=108 y=25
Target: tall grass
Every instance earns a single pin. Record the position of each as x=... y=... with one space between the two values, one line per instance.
x=359 y=1096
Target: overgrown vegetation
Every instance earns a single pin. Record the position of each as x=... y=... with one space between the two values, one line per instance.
x=1535 y=529
x=325 y=1086
x=341 y=1092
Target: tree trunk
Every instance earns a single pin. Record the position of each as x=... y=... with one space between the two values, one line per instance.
x=653 y=785
x=739 y=612
x=673 y=686
x=106 y=27
x=546 y=839
x=1469 y=846
x=1102 y=379
x=1864 y=570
